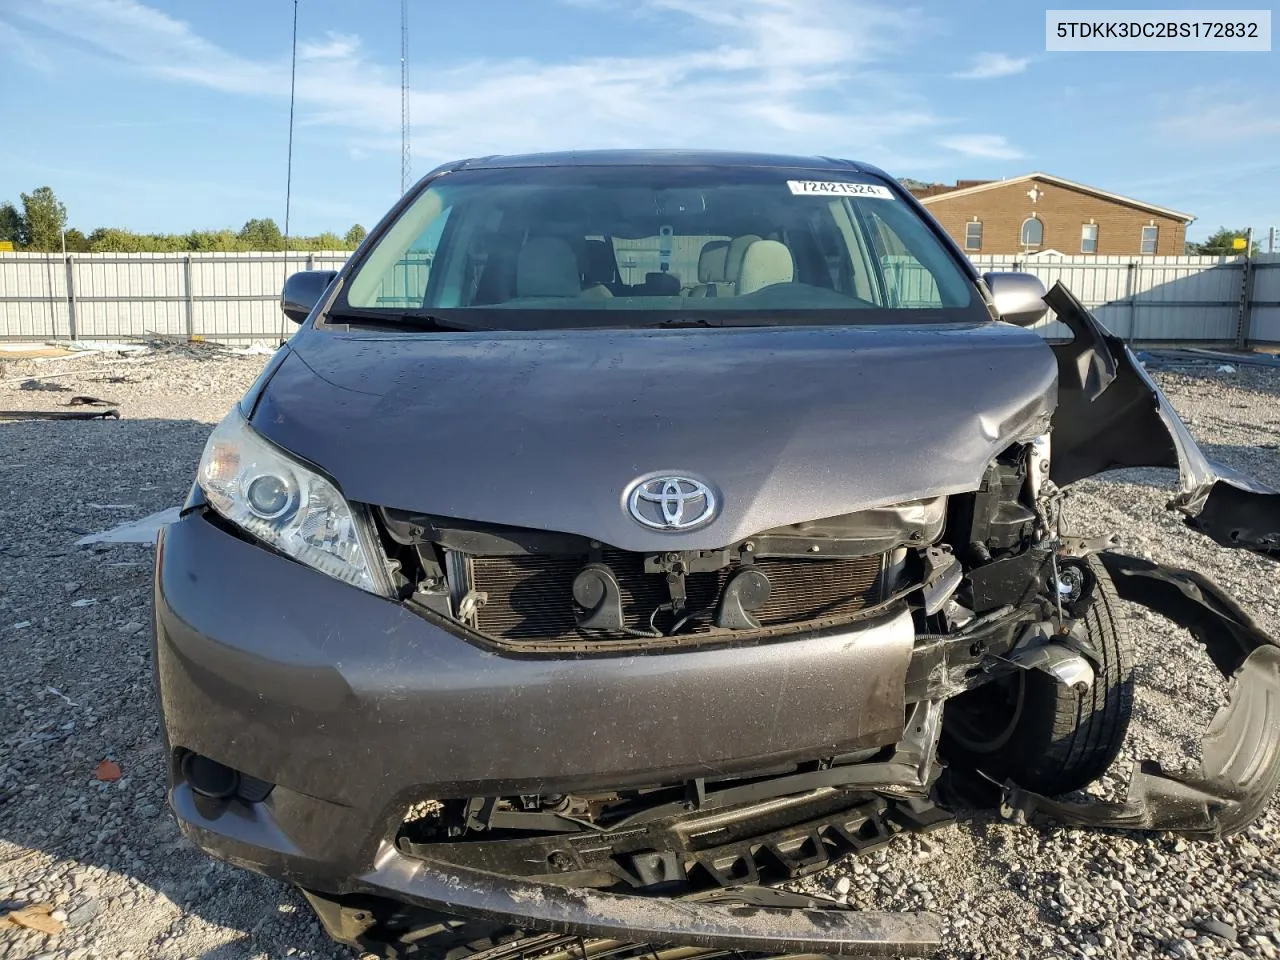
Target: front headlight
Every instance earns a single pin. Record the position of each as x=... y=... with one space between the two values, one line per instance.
x=287 y=505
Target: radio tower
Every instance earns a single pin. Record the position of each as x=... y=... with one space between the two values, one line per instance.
x=404 y=96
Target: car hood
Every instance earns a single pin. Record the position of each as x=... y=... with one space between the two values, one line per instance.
x=549 y=430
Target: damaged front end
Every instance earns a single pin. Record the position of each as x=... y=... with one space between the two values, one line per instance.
x=1000 y=597
x=1110 y=415
x=635 y=739
x=1240 y=769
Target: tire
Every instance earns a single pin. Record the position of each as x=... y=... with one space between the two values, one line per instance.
x=1044 y=736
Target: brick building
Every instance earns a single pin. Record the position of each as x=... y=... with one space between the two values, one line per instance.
x=1039 y=212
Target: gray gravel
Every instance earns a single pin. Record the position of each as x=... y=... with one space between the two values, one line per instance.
x=77 y=690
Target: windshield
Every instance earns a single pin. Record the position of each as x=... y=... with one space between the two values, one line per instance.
x=570 y=246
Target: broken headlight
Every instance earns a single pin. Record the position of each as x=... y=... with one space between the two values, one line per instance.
x=287 y=505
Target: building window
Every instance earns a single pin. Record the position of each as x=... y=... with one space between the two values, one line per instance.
x=1032 y=232
x=1150 y=236
x=973 y=235
x=1089 y=238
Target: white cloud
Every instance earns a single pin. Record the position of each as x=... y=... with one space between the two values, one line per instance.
x=780 y=75
x=1218 y=116
x=989 y=146
x=19 y=47
x=335 y=46
x=987 y=66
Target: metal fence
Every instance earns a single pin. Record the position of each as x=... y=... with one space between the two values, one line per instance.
x=113 y=296
x=234 y=296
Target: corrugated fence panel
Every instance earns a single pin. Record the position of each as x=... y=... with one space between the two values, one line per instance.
x=122 y=295
x=234 y=296
x=1265 y=320
x=1186 y=298
x=33 y=297
x=1144 y=299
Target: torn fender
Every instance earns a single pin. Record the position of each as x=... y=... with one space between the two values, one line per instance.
x=1240 y=750
x=1111 y=414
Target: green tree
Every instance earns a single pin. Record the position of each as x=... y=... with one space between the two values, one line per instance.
x=77 y=242
x=11 y=225
x=1221 y=243
x=115 y=240
x=262 y=235
x=355 y=236
x=222 y=240
x=44 y=218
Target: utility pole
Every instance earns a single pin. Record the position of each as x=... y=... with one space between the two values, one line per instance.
x=293 y=86
x=1244 y=319
x=404 y=97
x=288 y=182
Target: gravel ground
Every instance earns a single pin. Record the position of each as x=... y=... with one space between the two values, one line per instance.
x=77 y=691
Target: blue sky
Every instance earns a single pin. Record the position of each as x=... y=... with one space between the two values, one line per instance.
x=167 y=116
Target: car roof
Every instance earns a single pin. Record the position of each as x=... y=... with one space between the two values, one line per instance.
x=674 y=158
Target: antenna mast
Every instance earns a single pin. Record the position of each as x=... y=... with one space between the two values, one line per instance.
x=404 y=96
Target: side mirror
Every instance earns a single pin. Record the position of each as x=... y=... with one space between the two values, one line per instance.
x=302 y=291
x=1019 y=297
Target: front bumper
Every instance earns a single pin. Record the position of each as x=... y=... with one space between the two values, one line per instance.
x=355 y=707
x=244 y=835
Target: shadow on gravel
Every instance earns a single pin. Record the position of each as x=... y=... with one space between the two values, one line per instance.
x=75 y=641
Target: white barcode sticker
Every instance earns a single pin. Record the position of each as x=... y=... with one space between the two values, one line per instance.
x=833 y=188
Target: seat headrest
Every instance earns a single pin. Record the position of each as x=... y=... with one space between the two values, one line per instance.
x=766 y=262
x=547 y=267
x=599 y=264
x=733 y=256
x=661 y=285
x=711 y=261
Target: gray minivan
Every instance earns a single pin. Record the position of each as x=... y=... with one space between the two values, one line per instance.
x=623 y=534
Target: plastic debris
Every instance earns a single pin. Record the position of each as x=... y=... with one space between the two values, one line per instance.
x=58 y=693
x=135 y=531
x=108 y=771
x=35 y=916
x=47 y=385
x=253 y=350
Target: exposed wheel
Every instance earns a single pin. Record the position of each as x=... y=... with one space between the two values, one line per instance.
x=1044 y=736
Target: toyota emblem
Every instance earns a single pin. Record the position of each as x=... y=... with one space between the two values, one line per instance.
x=672 y=503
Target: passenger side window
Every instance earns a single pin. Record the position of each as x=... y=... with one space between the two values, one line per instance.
x=908 y=283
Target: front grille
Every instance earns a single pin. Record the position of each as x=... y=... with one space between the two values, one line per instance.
x=530 y=598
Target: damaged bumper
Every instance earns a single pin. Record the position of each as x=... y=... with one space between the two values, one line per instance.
x=581 y=912
x=313 y=705
x=1240 y=767
x=1111 y=414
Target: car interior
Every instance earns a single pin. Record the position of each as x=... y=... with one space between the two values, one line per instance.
x=722 y=247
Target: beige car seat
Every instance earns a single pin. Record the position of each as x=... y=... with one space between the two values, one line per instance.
x=547 y=267
x=765 y=263
x=710 y=267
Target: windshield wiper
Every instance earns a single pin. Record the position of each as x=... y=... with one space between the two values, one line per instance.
x=415 y=320
x=685 y=322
